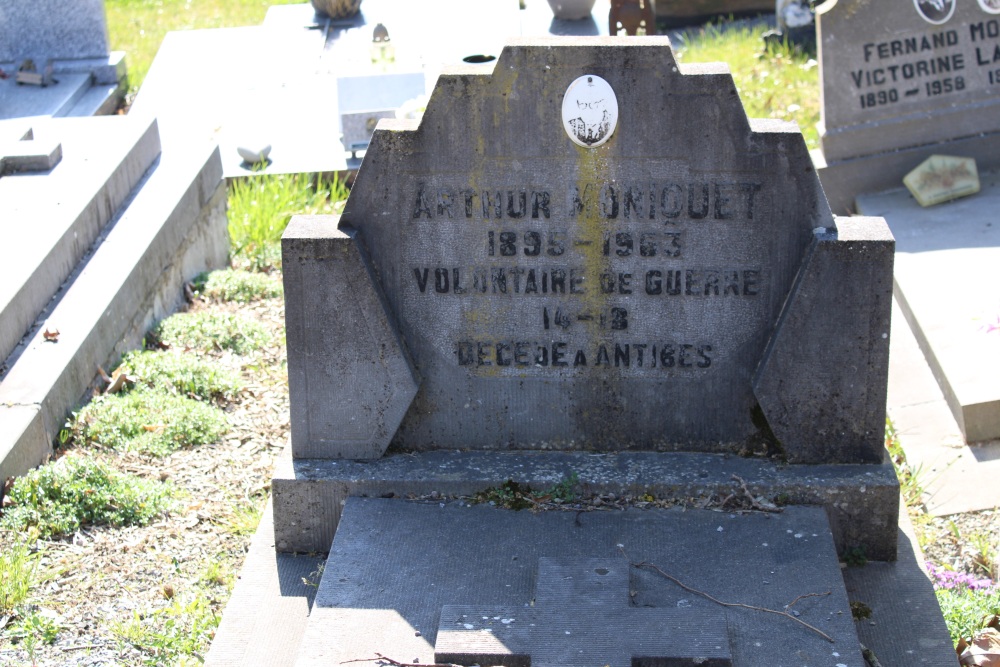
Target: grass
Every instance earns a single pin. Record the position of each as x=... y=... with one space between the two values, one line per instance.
x=183 y=374
x=260 y=208
x=212 y=332
x=137 y=27
x=18 y=573
x=967 y=611
x=148 y=421
x=910 y=479
x=60 y=497
x=774 y=82
x=237 y=285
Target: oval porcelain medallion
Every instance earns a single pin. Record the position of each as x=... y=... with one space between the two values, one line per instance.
x=590 y=111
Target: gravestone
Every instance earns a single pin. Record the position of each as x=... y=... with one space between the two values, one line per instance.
x=584 y=262
x=45 y=30
x=72 y=37
x=901 y=81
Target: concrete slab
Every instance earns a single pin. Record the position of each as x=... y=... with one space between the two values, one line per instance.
x=266 y=615
x=52 y=218
x=17 y=101
x=905 y=630
x=947 y=267
x=956 y=477
x=861 y=501
x=173 y=228
x=394 y=565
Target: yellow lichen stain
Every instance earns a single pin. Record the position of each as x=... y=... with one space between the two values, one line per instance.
x=591 y=226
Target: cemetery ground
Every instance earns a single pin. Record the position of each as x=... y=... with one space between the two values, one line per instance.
x=153 y=592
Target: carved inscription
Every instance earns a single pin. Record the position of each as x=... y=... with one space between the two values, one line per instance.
x=929 y=64
x=599 y=277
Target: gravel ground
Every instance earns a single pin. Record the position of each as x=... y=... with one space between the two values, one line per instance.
x=103 y=579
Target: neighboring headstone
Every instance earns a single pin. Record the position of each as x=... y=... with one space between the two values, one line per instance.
x=52 y=29
x=68 y=43
x=902 y=81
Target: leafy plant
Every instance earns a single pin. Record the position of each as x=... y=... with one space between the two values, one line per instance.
x=181 y=373
x=515 y=496
x=150 y=421
x=60 y=497
x=18 y=573
x=966 y=602
x=238 y=285
x=37 y=626
x=211 y=331
x=168 y=635
x=261 y=206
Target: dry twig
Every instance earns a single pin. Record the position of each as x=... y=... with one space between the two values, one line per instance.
x=651 y=566
x=395 y=663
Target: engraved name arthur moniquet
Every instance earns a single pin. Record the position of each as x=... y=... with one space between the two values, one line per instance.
x=582 y=268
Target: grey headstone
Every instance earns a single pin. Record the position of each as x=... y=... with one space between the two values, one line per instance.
x=605 y=298
x=353 y=376
x=893 y=79
x=52 y=29
x=581 y=615
x=901 y=80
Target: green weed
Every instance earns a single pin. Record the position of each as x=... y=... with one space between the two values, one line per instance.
x=515 y=496
x=261 y=206
x=773 y=82
x=18 y=573
x=910 y=479
x=244 y=517
x=150 y=421
x=60 y=497
x=217 y=573
x=238 y=285
x=170 y=635
x=965 y=609
x=184 y=374
x=210 y=332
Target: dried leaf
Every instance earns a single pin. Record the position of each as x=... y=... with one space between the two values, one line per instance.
x=118 y=382
x=984 y=650
x=51 y=336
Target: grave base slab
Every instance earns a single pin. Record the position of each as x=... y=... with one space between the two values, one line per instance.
x=947 y=259
x=271 y=605
x=397 y=570
x=861 y=501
